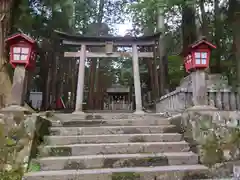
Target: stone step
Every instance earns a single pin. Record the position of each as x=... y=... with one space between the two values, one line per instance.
x=112 y=138
x=115 y=122
x=96 y=116
x=175 y=172
x=69 y=131
x=115 y=148
x=117 y=160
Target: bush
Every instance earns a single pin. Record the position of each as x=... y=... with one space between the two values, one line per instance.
x=13 y=139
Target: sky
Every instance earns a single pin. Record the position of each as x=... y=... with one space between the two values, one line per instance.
x=123 y=28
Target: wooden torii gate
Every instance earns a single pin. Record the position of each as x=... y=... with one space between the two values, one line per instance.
x=109 y=43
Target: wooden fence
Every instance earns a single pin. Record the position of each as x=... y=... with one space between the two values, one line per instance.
x=178 y=100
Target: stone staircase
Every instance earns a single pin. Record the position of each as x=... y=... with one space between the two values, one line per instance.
x=116 y=147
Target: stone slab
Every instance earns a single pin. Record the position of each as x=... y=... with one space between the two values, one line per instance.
x=114 y=122
x=116 y=148
x=117 y=160
x=107 y=116
x=179 y=172
x=69 y=131
x=113 y=138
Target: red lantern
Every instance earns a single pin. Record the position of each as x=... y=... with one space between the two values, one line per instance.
x=197 y=55
x=22 y=51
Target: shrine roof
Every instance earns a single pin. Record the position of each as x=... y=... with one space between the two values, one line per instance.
x=83 y=38
x=118 y=88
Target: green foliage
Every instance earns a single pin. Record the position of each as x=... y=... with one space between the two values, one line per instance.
x=12 y=174
x=13 y=138
x=217 y=141
x=34 y=167
x=233 y=143
x=125 y=176
x=212 y=150
x=175 y=70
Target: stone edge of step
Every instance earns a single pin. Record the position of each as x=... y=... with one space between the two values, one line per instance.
x=113 y=135
x=105 y=156
x=112 y=127
x=119 y=144
x=120 y=170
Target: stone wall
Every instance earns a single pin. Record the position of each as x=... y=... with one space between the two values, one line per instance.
x=214 y=135
x=20 y=135
x=214 y=82
x=219 y=95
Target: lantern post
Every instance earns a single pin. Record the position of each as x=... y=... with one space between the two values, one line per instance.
x=22 y=59
x=196 y=61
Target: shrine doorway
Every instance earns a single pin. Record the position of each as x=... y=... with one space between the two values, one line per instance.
x=118 y=98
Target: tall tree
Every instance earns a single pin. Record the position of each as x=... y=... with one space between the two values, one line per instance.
x=234 y=14
x=8 y=8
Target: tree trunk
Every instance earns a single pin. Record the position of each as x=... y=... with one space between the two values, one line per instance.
x=204 y=27
x=234 y=11
x=54 y=80
x=188 y=25
x=48 y=85
x=189 y=33
x=150 y=72
x=92 y=72
x=5 y=27
x=217 y=37
x=161 y=50
x=97 y=87
x=44 y=76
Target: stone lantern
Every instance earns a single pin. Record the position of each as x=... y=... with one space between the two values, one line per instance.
x=22 y=51
x=196 y=61
x=197 y=55
x=22 y=59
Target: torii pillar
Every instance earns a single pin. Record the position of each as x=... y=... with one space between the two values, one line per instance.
x=137 y=84
x=80 y=82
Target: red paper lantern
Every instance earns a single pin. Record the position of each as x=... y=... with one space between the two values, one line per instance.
x=22 y=51
x=197 y=55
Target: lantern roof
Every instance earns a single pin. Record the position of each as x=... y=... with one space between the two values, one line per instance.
x=202 y=41
x=20 y=36
x=196 y=44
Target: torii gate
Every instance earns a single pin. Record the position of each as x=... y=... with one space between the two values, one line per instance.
x=108 y=42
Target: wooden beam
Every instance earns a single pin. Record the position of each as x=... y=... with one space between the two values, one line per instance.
x=125 y=44
x=72 y=54
x=113 y=55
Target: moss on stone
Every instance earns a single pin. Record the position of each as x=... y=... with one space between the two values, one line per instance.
x=193 y=145
x=74 y=165
x=55 y=132
x=195 y=176
x=125 y=176
x=98 y=117
x=88 y=117
x=83 y=123
x=109 y=163
x=171 y=129
x=49 y=114
x=146 y=162
x=60 y=151
x=131 y=131
x=137 y=139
